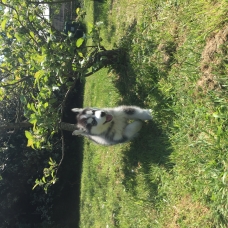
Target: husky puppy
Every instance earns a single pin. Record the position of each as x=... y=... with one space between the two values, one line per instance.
x=110 y=126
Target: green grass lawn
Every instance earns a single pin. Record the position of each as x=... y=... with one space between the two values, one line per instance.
x=175 y=173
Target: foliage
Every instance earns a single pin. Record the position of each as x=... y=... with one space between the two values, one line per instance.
x=20 y=165
x=33 y=51
x=36 y=62
x=39 y=62
x=40 y=67
x=48 y=173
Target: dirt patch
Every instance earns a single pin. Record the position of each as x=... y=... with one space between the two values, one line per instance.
x=186 y=211
x=211 y=58
x=166 y=50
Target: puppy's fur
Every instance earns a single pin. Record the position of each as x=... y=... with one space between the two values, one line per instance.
x=110 y=126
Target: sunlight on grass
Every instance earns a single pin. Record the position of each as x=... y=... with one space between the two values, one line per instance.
x=175 y=173
x=99 y=90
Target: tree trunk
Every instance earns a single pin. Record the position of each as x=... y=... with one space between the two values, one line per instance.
x=13 y=126
x=67 y=126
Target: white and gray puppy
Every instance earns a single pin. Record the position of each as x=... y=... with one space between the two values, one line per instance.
x=110 y=126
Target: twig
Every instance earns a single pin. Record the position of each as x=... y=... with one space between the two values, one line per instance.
x=63 y=151
x=66 y=96
x=62 y=107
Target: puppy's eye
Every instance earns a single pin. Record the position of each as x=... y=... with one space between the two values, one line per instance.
x=103 y=114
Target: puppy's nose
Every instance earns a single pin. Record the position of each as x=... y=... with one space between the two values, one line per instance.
x=103 y=114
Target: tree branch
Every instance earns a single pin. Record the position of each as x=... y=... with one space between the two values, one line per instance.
x=21 y=80
x=67 y=126
x=10 y=126
x=48 y=2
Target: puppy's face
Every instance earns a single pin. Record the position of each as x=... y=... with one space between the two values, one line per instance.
x=93 y=121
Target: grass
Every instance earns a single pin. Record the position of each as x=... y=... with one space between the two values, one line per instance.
x=175 y=173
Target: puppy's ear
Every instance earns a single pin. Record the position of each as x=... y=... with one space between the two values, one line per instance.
x=76 y=110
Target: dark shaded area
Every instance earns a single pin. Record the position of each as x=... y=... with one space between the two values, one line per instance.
x=159 y=149
x=20 y=166
x=74 y=27
x=67 y=189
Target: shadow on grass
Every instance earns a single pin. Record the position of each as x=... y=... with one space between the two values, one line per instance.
x=152 y=147
x=67 y=189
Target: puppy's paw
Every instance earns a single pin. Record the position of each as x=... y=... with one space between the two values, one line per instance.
x=148 y=114
x=78 y=132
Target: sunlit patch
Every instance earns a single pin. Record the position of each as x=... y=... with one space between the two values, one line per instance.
x=98 y=114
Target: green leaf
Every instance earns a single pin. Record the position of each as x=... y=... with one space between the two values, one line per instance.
x=32 y=34
x=39 y=74
x=4 y=1
x=45 y=105
x=2 y=93
x=33 y=120
x=80 y=54
x=31 y=17
x=30 y=143
x=50 y=163
x=28 y=135
x=20 y=60
x=43 y=179
x=40 y=58
x=79 y=42
x=8 y=35
x=33 y=63
x=23 y=99
x=18 y=36
x=77 y=10
x=3 y=24
x=38 y=145
x=33 y=108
